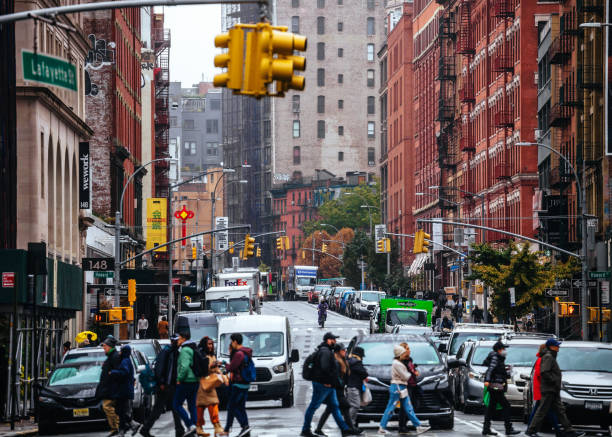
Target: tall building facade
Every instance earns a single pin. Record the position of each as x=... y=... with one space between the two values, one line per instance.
x=333 y=124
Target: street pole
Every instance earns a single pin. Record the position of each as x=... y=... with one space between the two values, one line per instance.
x=485 y=290
x=389 y=262
x=556 y=308
x=313 y=248
x=213 y=199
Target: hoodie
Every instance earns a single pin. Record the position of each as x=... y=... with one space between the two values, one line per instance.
x=237 y=363
x=124 y=374
x=184 y=369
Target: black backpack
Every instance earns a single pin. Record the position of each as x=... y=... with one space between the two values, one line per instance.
x=309 y=368
x=200 y=363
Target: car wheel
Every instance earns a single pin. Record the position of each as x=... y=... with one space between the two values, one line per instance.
x=287 y=401
x=45 y=428
x=444 y=423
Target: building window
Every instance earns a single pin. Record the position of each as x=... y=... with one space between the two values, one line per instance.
x=321 y=51
x=296 y=103
x=190 y=148
x=340 y=2
x=370 y=52
x=370 y=4
x=321 y=104
x=371 y=78
x=371 y=132
x=212 y=126
x=370 y=27
x=173 y=122
x=341 y=78
x=340 y=156
x=295 y=24
x=295 y=3
x=296 y=128
x=320 y=25
x=340 y=26
x=267 y=125
x=320 y=4
x=321 y=129
x=371 y=157
x=215 y=105
x=340 y=104
x=371 y=105
x=320 y=76
x=296 y=155
x=341 y=130
x=190 y=124
x=340 y=52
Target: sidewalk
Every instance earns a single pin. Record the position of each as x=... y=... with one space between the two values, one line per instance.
x=22 y=428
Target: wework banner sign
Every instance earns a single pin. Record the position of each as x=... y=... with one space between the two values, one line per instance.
x=84 y=176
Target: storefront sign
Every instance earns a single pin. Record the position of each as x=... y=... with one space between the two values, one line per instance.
x=8 y=279
x=84 y=176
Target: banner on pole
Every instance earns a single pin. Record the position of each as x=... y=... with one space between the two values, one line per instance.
x=84 y=176
x=157 y=223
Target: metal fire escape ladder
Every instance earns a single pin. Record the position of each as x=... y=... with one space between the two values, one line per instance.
x=161 y=43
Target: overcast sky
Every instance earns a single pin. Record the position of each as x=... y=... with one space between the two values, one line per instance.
x=192 y=31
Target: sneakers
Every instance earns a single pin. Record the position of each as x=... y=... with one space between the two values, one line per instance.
x=422 y=429
x=191 y=431
x=488 y=431
x=219 y=431
x=145 y=433
x=307 y=433
x=320 y=432
x=532 y=434
x=113 y=433
x=383 y=431
x=245 y=432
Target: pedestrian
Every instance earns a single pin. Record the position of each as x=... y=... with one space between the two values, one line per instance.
x=186 y=384
x=398 y=391
x=162 y=328
x=239 y=388
x=143 y=325
x=340 y=387
x=165 y=376
x=446 y=323
x=323 y=392
x=66 y=347
x=550 y=390
x=108 y=387
x=208 y=399
x=496 y=377
x=477 y=314
x=124 y=375
x=358 y=374
x=413 y=390
x=458 y=311
x=537 y=395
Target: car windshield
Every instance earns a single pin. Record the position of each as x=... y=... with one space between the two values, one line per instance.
x=147 y=349
x=460 y=338
x=381 y=352
x=217 y=305
x=372 y=296
x=79 y=357
x=86 y=373
x=321 y=287
x=583 y=359
x=306 y=281
x=264 y=344
x=239 y=305
x=406 y=317
x=518 y=355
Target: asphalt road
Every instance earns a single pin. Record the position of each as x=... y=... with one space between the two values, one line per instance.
x=268 y=419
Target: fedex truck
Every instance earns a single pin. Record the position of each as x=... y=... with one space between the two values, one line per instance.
x=240 y=277
x=301 y=280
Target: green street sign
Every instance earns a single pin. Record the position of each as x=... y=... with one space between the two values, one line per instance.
x=104 y=274
x=49 y=70
x=599 y=275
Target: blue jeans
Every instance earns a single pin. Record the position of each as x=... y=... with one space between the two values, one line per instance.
x=236 y=407
x=394 y=396
x=552 y=417
x=327 y=396
x=186 y=391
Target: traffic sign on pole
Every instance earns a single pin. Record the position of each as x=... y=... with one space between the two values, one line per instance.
x=552 y=292
x=599 y=275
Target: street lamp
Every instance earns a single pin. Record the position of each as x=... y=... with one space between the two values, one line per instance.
x=452 y=202
x=331 y=226
x=583 y=258
x=369 y=214
x=118 y=218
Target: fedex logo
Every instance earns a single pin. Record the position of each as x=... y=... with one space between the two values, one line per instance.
x=237 y=282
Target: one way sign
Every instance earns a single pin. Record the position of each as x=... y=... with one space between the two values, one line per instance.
x=552 y=292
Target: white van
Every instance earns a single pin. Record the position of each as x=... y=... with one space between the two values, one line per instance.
x=270 y=339
x=221 y=300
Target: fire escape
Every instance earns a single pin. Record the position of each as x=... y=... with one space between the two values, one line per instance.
x=161 y=45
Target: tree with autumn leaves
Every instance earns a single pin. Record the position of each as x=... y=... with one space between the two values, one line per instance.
x=329 y=266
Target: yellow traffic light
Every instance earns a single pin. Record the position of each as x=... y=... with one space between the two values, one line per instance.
x=286 y=240
x=324 y=248
x=258 y=253
x=380 y=246
x=232 y=60
x=573 y=309
x=231 y=247
x=131 y=291
x=421 y=245
x=281 y=68
x=249 y=247
x=279 y=243
x=115 y=315
x=194 y=252
x=303 y=254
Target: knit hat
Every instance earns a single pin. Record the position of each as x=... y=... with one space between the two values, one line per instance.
x=110 y=341
x=398 y=350
x=359 y=352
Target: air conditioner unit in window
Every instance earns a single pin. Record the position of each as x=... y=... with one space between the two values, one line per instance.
x=537 y=134
x=371 y=163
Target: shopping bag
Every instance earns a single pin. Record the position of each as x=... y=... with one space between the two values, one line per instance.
x=486 y=398
x=366 y=397
x=212 y=381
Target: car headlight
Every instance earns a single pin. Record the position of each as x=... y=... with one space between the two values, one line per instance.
x=45 y=400
x=281 y=368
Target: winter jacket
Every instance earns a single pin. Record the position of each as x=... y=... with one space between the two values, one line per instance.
x=496 y=368
x=184 y=370
x=206 y=398
x=165 y=366
x=237 y=364
x=537 y=379
x=412 y=382
x=125 y=374
x=550 y=374
x=399 y=373
x=327 y=372
x=358 y=373
x=108 y=388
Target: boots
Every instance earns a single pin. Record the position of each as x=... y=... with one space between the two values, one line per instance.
x=219 y=431
x=201 y=433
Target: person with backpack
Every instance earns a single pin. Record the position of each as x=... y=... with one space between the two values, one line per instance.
x=124 y=375
x=165 y=378
x=186 y=383
x=322 y=369
x=358 y=374
x=207 y=398
x=242 y=373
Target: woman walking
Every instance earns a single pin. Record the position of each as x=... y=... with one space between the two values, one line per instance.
x=398 y=391
x=537 y=394
x=207 y=399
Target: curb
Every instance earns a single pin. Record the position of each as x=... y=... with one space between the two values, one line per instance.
x=26 y=432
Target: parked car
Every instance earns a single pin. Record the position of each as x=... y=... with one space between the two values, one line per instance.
x=435 y=402
x=586 y=387
x=409 y=329
x=338 y=291
x=365 y=302
x=313 y=296
x=343 y=301
x=149 y=347
x=463 y=332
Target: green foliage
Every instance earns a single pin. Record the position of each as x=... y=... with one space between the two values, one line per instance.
x=516 y=266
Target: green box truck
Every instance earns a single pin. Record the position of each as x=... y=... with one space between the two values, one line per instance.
x=397 y=311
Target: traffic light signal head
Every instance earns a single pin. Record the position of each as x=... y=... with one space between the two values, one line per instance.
x=324 y=248
x=286 y=241
x=421 y=245
x=380 y=245
x=131 y=291
x=258 y=253
x=231 y=247
x=232 y=60
x=249 y=247
x=279 y=63
x=194 y=252
x=279 y=243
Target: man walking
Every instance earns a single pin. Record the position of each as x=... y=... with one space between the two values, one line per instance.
x=108 y=388
x=186 y=384
x=477 y=314
x=165 y=376
x=236 y=406
x=323 y=392
x=355 y=382
x=143 y=325
x=550 y=389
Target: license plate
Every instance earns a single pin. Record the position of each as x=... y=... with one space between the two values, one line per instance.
x=253 y=387
x=593 y=405
x=80 y=412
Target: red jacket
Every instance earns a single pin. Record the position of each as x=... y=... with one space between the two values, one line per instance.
x=537 y=377
x=237 y=363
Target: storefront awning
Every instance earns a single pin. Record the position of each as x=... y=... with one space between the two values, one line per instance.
x=417 y=264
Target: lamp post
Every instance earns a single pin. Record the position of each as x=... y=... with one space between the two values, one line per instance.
x=585 y=287
x=369 y=214
x=118 y=218
x=331 y=226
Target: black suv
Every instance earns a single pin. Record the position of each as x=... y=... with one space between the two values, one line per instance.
x=435 y=403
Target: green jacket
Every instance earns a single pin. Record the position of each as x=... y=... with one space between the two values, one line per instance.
x=184 y=372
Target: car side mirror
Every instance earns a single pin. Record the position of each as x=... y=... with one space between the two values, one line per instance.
x=525 y=377
x=295 y=356
x=453 y=363
x=442 y=348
